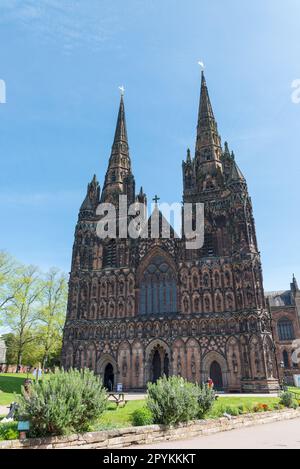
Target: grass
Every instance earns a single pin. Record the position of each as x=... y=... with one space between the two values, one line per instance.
x=115 y=417
x=226 y=404
x=10 y=384
x=295 y=390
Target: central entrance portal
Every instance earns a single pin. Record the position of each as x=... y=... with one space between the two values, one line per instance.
x=159 y=364
x=156 y=366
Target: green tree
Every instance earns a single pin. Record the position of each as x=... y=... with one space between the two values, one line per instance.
x=21 y=313
x=8 y=269
x=32 y=352
x=52 y=314
x=11 y=348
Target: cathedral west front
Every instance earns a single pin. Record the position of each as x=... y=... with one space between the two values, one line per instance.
x=140 y=308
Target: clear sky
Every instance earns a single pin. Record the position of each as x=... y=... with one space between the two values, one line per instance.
x=62 y=62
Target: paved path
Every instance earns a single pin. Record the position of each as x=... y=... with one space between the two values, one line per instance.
x=278 y=435
x=4 y=409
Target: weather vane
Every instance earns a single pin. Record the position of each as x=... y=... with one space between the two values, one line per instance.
x=122 y=89
x=201 y=65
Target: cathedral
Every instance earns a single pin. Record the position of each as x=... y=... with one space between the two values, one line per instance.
x=142 y=308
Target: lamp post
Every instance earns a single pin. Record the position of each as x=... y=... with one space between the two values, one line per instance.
x=283 y=383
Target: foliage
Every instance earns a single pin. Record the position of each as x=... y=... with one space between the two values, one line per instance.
x=206 y=398
x=141 y=417
x=260 y=407
x=33 y=307
x=8 y=270
x=287 y=400
x=52 y=315
x=63 y=403
x=245 y=405
x=9 y=431
x=173 y=400
x=22 y=314
x=232 y=410
x=118 y=417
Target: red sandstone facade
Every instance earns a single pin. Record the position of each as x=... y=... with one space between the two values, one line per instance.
x=285 y=310
x=142 y=308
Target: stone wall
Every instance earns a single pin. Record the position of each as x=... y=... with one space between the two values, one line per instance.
x=127 y=437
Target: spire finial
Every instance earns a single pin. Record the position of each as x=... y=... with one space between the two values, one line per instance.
x=201 y=63
x=122 y=90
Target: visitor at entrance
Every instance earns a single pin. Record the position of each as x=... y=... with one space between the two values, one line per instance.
x=210 y=383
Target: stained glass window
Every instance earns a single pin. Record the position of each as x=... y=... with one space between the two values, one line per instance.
x=158 y=292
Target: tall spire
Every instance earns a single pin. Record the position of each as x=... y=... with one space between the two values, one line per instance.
x=119 y=166
x=121 y=131
x=208 y=144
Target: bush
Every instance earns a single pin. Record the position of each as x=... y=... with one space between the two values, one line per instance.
x=287 y=400
x=141 y=417
x=232 y=410
x=63 y=403
x=206 y=398
x=173 y=400
x=242 y=409
x=9 y=431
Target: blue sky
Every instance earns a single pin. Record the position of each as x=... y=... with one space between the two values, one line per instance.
x=62 y=62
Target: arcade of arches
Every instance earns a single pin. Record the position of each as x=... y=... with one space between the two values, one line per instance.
x=140 y=362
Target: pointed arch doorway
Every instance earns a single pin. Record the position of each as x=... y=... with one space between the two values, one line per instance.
x=109 y=377
x=216 y=375
x=156 y=366
x=160 y=364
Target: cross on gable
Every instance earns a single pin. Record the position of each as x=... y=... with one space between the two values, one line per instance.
x=156 y=199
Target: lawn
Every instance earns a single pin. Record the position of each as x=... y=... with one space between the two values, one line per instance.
x=10 y=384
x=121 y=417
x=114 y=417
x=295 y=390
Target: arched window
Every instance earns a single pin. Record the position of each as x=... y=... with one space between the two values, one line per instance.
x=158 y=292
x=286 y=360
x=285 y=329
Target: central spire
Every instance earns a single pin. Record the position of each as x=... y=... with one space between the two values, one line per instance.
x=118 y=176
x=208 y=144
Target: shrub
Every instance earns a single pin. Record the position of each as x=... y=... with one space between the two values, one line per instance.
x=287 y=400
x=217 y=411
x=242 y=409
x=173 y=400
x=232 y=410
x=65 y=402
x=141 y=417
x=206 y=398
x=9 y=431
x=278 y=406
